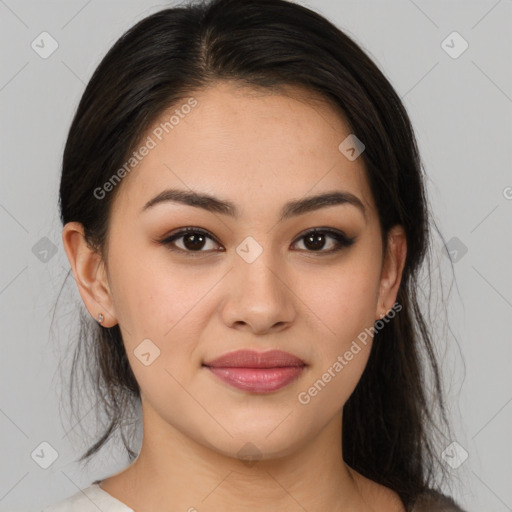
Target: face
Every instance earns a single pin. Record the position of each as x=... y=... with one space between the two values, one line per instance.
x=251 y=278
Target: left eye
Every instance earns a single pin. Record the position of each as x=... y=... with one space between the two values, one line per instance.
x=194 y=240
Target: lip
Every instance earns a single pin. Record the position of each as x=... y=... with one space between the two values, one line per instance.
x=254 y=359
x=257 y=372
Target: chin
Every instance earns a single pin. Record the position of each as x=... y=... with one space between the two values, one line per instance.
x=256 y=446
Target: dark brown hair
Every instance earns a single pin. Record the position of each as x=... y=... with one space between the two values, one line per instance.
x=391 y=421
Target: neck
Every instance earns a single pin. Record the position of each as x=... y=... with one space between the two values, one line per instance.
x=174 y=472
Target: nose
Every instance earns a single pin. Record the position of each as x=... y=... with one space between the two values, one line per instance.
x=258 y=296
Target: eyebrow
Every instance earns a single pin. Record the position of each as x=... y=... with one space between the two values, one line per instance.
x=224 y=207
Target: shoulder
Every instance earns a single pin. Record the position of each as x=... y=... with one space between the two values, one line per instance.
x=90 y=499
x=377 y=496
x=434 y=501
x=385 y=499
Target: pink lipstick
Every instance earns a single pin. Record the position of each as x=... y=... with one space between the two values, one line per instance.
x=257 y=372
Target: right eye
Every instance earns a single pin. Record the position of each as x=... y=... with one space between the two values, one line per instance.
x=193 y=240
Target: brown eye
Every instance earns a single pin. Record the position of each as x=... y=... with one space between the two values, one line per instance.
x=192 y=240
x=315 y=240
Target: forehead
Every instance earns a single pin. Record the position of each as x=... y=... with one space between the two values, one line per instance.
x=250 y=145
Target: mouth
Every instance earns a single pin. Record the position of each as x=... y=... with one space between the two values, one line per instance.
x=257 y=372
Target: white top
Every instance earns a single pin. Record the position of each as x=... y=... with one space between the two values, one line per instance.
x=91 y=499
x=94 y=499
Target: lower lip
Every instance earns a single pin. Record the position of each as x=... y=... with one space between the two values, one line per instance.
x=257 y=380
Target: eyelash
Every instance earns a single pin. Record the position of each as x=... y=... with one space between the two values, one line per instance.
x=342 y=240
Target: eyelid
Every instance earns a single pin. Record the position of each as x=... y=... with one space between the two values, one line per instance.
x=181 y=232
x=343 y=240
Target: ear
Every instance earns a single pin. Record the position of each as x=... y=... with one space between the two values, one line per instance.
x=391 y=274
x=89 y=273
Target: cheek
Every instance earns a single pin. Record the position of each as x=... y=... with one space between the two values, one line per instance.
x=150 y=296
x=343 y=300
x=166 y=307
x=346 y=309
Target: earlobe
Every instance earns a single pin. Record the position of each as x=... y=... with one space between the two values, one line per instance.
x=89 y=273
x=392 y=269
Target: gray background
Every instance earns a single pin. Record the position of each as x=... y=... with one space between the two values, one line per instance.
x=461 y=110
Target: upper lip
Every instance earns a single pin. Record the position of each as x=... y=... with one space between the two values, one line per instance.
x=254 y=359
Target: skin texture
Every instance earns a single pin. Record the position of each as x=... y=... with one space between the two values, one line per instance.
x=258 y=149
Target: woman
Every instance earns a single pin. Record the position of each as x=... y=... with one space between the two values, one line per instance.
x=245 y=217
